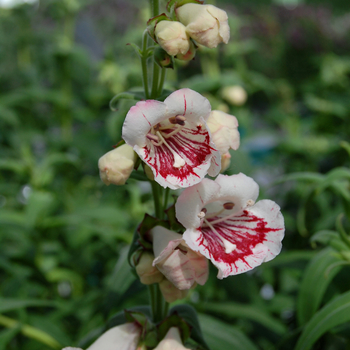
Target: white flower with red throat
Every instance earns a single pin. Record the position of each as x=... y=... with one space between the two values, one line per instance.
x=224 y=223
x=172 y=137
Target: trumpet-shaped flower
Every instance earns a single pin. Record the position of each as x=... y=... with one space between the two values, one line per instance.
x=179 y=264
x=224 y=223
x=171 y=341
x=172 y=137
x=206 y=24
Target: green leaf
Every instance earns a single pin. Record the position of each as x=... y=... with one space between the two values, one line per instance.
x=314 y=284
x=334 y=313
x=7 y=335
x=250 y=312
x=303 y=176
x=7 y=304
x=221 y=336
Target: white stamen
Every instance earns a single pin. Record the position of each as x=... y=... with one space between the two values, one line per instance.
x=229 y=247
x=178 y=161
x=250 y=202
x=201 y=215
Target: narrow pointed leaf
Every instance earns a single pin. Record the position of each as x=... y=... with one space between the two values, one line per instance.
x=315 y=283
x=335 y=313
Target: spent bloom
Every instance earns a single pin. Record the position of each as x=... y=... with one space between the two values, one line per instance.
x=224 y=223
x=173 y=139
x=172 y=37
x=171 y=341
x=224 y=131
x=206 y=24
x=179 y=264
x=117 y=165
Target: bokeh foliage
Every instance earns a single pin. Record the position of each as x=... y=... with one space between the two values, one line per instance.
x=64 y=235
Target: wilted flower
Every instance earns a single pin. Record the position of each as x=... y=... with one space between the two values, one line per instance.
x=179 y=264
x=224 y=131
x=235 y=95
x=224 y=223
x=117 y=165
x=173 y=139
x=148 y=273
x=172 y=341
x=172 y=37
x=206 y=24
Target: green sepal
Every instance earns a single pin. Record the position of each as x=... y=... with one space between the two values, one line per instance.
x=174 y=320
x=172 y=5
x=136 y=48
x=189 y=315
x=152 y=23
x=163 y=59
x=128 y=95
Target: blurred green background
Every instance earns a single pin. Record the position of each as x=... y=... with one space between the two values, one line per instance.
x=64 y=235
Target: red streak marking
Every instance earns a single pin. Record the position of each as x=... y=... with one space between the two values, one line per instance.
x=185 y=104
x=193 y=149
x=245 y=237
x=147 y=120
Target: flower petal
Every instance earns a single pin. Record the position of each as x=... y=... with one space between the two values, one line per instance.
x=123 y=337
x=140 y=119
x=191 y=146
x=192 y=200
x=241 y=242
x=189 y=104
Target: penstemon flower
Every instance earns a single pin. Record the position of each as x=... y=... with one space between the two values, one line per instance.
x=172 y=137
x=224 y=223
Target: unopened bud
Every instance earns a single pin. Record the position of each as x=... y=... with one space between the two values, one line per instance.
x=117 y=165
x=235 y=95
x=172 y=37
x=189 y=55
x=225 y=161
x=148 y=274
x=163 y=59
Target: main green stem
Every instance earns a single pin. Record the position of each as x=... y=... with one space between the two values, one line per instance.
x=159 y=306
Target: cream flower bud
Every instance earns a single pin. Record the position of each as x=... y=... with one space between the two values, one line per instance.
x=225 y=161
x=235 y=95
x=189 y=55
x=172 y=341
x=172 y=37
x=117 y=165
x=224 y=133
x=206 y=24
x=170 y=292
x=180 y=265
x=148 y=273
